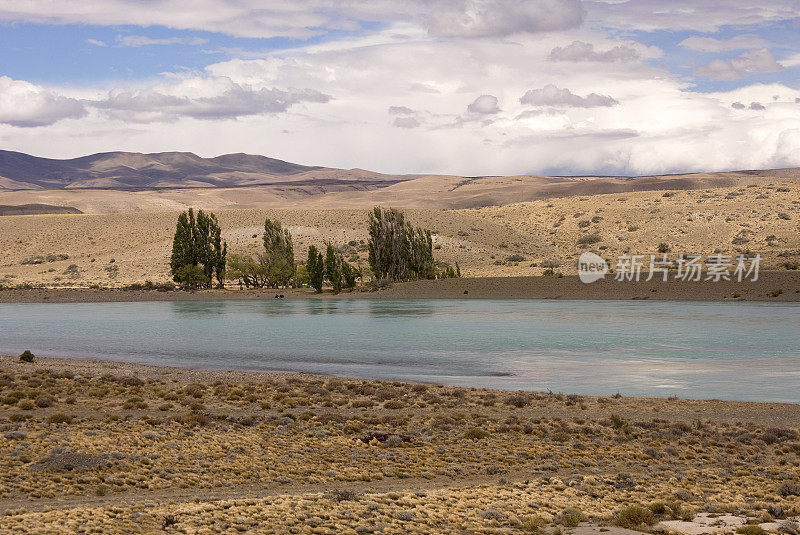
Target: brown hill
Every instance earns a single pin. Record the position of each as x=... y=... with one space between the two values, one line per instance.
x=136 y=170
x=36 y=209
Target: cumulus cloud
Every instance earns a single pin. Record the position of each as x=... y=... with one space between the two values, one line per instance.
x=551 y=95
x=24 y=104
x=485 y=105
x=400 y=110
x=141 y=40
x=653 y=15
x=710 y=44
x=406 y=122
x=581 y=51
x=497 y=18
x=758 y=60
x=228 y=100
x=307 y=18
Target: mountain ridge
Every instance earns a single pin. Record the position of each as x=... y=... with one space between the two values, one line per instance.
x=119 y=169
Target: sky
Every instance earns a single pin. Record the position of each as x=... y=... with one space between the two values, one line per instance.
x=466 y=87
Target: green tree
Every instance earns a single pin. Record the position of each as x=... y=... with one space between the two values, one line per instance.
x=316 y=268
x=301 y=276
x=349 y=274
x=198 y=244
x=249 y=271
x=279 y=253
x=397 y=250
x=333 y=267
x=183 y=243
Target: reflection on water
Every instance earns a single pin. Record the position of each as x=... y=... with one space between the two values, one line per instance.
x=707 y=350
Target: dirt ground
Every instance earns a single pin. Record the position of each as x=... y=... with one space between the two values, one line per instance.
x=783 y=286
x=90 y=446
x=517 y=240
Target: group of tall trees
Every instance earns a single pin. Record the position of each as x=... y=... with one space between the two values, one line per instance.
x=198 y=253
x=274 y=267
x=332 y=267
x=397 y=252
x=400 y=252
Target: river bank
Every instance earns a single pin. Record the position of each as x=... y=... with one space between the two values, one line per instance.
x=115 y=447
x=781 y=286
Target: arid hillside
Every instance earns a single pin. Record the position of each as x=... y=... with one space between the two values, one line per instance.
x=517 y=239
x=132 y=182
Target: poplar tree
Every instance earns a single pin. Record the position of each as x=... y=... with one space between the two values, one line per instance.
x=198 y=252
x=333 y=267
x=316 y=268
x=278 y=253
x=397 y=250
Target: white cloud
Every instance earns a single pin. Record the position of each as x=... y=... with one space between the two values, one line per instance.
x=306 y=18
x=581 y=51
x=406 y=122
x=397 y=100
x=497 y=18
x=710 y=44
x=96 y=42
x=141 y=40
x=692 y=15
x=400 y=110
x=485 y=105
x=203 y=98
x=755 y=61
x=550 y=95
x=23 y=104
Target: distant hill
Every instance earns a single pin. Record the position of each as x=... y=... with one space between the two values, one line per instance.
x=36 y=209
x=167 y=181
x=135 y=170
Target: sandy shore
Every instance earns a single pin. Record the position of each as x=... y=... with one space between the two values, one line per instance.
x=117 y=448
x=783 y=286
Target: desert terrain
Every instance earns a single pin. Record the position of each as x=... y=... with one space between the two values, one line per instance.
x=119 y=448
x=524 y=239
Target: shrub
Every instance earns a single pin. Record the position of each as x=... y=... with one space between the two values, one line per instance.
x=571 y=517
x=788 y=488
x=534 y=525
x=751 y=529
x=195 y=419
x=393 y=404
x=475 y=433
x=515 y=258
x=517 y=400
x=634 y=516
x=590 y=239
x=26 y=356
x=134 y=403
x=25 y=404
x=618 y=422
x=663 y=247
x=59 y=418
x=44 y=401
x=584 y=223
